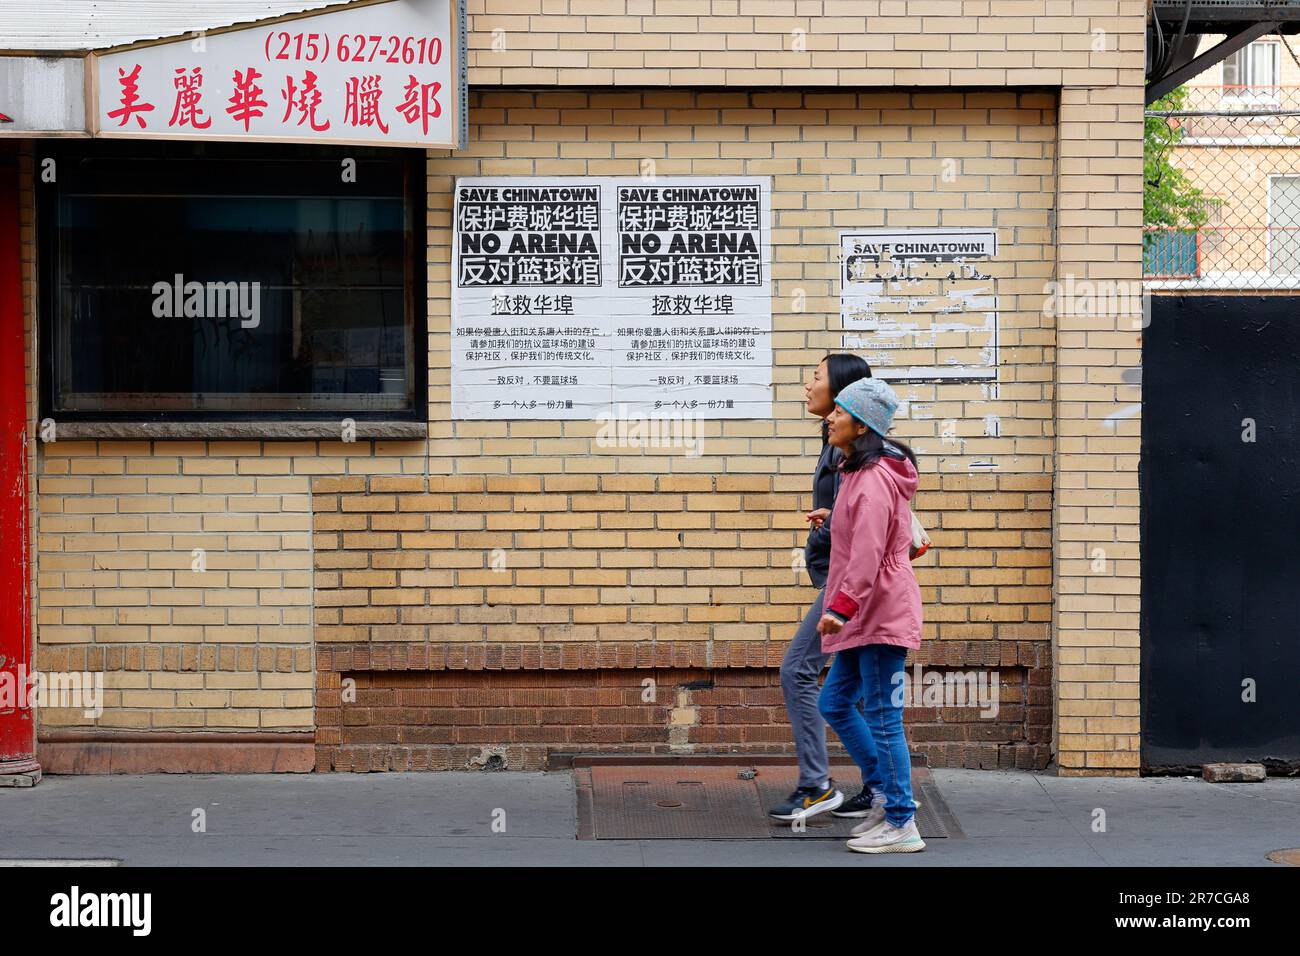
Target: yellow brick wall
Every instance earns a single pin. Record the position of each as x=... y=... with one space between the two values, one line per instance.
x=226 y=648
x=170 y=547
x=802 y=43
x=837 y=161
x=591 y=534
x=1098 y=434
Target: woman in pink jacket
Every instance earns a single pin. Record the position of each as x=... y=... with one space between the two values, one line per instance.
x=872 y=609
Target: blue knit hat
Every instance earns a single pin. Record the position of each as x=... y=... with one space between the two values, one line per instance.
x=871 y=401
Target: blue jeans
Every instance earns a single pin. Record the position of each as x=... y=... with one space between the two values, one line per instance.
x=876 y=744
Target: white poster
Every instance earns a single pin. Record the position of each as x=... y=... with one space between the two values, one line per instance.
x=589 y=297
x=919 y=304
x=383 y=74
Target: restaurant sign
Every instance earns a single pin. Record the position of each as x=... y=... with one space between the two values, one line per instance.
x=384 y=74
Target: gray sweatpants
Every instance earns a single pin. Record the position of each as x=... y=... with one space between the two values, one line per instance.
x=800 y=670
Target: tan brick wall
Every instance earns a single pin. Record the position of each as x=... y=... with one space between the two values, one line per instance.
x=1097 y=572
x=838 y=160
x=802 y=43
x=226 y=648
x=590 y=535
x=530 y=533
x=178 y=547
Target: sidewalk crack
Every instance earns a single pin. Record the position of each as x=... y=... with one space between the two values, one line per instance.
x=1066 y=817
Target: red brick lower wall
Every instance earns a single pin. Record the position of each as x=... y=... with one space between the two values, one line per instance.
x=458 y=706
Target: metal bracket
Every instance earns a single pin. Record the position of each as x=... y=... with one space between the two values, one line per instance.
x=1179 y=76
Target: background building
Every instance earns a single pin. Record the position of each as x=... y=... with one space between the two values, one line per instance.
x=1238 y=134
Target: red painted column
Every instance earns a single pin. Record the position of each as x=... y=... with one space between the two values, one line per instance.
x=17 y=723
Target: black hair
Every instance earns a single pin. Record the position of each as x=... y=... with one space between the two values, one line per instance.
x=869 y=447
x=842 y=370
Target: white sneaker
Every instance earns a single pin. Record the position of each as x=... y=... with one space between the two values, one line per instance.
x=888 y=838
x=875 y=816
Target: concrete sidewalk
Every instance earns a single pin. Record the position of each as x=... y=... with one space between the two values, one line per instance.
x=446 y=819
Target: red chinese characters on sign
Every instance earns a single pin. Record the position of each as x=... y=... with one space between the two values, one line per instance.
x=187 y=109
x=305 y=99
x=362 y=106
x=130 y=95
x=306 y=105
x=420 y=103
x=247 y=98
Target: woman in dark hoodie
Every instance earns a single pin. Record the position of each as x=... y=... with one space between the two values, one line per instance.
x=804 y=660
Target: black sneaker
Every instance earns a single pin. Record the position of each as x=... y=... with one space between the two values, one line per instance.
x=858 y=806
x=808 y=802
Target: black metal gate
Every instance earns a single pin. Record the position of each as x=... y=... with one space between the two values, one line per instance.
x=1220 y=479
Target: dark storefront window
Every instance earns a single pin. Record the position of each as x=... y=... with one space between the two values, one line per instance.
x=224 y=281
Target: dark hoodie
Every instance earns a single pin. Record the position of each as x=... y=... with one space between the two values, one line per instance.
x=826 y=479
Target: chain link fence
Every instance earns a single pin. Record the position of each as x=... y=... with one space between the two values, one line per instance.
x=1222 y=204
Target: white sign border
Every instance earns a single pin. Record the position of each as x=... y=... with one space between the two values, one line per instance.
x=768 y=266
x=937 y=375
x=457 y=108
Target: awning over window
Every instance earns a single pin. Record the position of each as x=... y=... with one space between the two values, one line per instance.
x=80 y=25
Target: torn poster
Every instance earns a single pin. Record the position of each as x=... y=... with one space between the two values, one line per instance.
x=919 y=304
x=584 y=297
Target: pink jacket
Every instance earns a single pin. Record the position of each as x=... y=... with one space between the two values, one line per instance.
x=871 y=581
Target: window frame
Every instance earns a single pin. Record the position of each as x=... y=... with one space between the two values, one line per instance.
x=1287 y=232
x=272 y=420
x=1252 y=92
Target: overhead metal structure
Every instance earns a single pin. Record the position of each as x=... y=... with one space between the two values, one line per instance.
x=1175 y=29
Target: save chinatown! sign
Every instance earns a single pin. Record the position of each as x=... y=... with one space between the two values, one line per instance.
x=384 y=74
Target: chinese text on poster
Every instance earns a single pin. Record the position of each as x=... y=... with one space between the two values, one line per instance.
x=578 y=298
